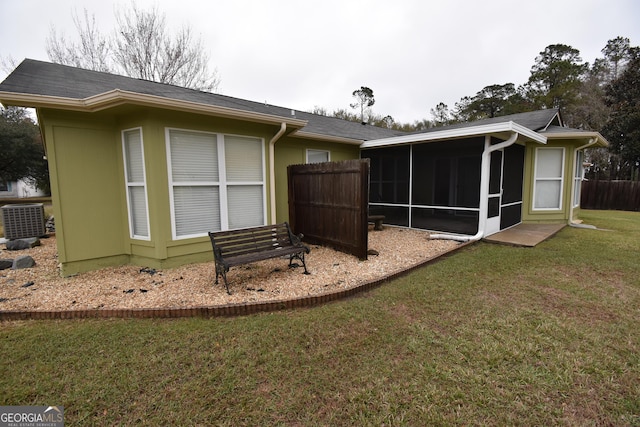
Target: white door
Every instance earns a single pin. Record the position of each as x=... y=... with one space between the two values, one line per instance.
x=495 y=193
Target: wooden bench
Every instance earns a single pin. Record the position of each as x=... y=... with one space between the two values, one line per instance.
x=377 y=220
x=243 y=246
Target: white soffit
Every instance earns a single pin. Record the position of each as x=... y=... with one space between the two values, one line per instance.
x=578 y=134
x=464 y=132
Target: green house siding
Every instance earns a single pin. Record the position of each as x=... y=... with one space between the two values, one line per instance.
x=531 y=215
x=89 y=190
x=86 y=188
x=292 y=151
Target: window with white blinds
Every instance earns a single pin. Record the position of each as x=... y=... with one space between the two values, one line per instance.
x=133 y=154
x=317 y=156
x=216 y=182
x=549 y=172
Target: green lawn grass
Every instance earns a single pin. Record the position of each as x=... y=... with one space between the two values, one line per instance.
x=493 y=335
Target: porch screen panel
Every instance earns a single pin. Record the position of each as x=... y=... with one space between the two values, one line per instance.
x=136 y=183
x=468 y=182
x=448 y=220
x=447 y=174
x=512 y=186
x=389 y=175
x=393 y=215
x=510 y=215
x=513 y=173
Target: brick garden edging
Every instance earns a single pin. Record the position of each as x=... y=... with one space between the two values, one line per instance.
x=241 y=309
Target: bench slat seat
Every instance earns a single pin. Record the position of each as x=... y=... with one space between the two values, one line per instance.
x=243 y=246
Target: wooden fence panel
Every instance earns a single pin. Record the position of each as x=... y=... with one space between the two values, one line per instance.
x=328 y=203
x=615 y=195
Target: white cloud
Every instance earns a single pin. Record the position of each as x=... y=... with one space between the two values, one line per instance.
x=412 y=53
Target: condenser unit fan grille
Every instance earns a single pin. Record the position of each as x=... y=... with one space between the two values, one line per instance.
x=22 y=221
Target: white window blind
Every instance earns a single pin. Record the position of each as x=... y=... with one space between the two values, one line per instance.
x=549 y=172
x=317 y=156
x=217 y=182
x=243 y=158
x=194 y=157
x=133 y=153
x=245 y=206
x=197 y=210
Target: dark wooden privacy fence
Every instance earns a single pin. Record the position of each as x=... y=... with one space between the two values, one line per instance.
x=328 y=203
x=616 y=195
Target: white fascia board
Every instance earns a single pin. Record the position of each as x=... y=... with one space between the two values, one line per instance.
x=601 y=140
x=464 y=132
x=117 y=97
x=42 y=101
x=329 y=138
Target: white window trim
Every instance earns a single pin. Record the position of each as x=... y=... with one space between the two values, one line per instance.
x=578 y=178
x=142 y=184
x=222 y=182
x=311 y=150
x=560 y=179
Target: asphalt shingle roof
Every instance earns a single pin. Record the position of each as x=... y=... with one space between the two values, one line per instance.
x=534 y=120
x=44 y=78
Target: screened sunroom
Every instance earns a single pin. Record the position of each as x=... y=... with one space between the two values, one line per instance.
x=466 y=180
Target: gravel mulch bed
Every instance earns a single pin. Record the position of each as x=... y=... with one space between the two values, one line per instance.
x=132 y=287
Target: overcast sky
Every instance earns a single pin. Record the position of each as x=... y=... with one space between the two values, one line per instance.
x=300 y=54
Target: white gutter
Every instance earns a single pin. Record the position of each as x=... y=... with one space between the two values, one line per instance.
x=330 y=138
x=272 y=171
x=484 y=189
x=591 y=142
x=468 y=131
x=116 y=97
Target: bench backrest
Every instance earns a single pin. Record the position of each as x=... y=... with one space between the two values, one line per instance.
x=250 y=240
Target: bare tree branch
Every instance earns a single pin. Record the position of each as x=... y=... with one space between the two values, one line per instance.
x=91 y=52
x=140 y=47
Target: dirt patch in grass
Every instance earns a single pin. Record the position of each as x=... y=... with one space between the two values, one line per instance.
x=124 y=287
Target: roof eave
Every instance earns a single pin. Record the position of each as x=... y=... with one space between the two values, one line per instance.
x=118 y=97
x=489 y=129
x=328 y=138
x=601 y=141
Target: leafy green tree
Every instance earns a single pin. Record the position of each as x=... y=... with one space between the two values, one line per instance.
x=21 y=149
x=492 y=101
x=623 y=127
x=418 y=125
x=345 y=115
x=364 y=101
x=321 y=111
x=441 y=115
x=555 y=78
x=617 y=53
x=388 y=122
x=589 y=110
